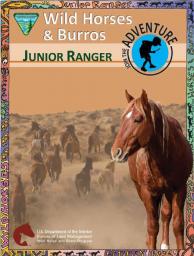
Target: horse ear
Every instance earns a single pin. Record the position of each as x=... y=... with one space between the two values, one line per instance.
x=128 y=96
x=144 y=98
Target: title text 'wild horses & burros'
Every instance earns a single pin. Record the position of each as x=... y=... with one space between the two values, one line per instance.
x=160 y=162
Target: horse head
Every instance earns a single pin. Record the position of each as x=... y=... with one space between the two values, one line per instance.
x=70 y=128
x=35 y=126
x=56 y=149
x=38 y=157
x=97 y=129
x=136 y=128
x=89 y=163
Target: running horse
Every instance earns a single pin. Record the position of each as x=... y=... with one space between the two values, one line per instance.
x=69 y=140
x=94 y=140
x=38 y=131
x=160 y=162
x=41 y=140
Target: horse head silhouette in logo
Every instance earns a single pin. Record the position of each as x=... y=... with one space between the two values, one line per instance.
x=25 y=230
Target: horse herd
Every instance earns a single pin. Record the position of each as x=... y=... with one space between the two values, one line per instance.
x=159 y=157
x=46 y=158
x=69 y=142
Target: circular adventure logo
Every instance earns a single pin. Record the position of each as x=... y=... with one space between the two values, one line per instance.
x=149 y=48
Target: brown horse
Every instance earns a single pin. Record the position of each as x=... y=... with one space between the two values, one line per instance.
x=53 y=163
x=47 y=140
x=37 y=130
x=160 y=162
x=19 y=201
x=94 y=140
x=70 y=140
x=38 y=173
x=83 y=178
x=42 y=135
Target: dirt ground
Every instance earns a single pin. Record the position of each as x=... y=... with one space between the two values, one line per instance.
x=116 y=218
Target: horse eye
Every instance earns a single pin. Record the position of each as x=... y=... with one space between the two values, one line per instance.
x=138 y=119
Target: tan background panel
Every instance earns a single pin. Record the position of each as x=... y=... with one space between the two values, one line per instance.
x=50 y=90
x=115 y=33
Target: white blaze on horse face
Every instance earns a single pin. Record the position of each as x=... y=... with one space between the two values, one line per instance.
x=128 y=115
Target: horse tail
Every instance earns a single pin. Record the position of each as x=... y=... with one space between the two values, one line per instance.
x=36 y=175
x=42 y=174
x=68 y=151
x=100 y=180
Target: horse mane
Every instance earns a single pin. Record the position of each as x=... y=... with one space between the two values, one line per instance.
x=88 y=164
x=159 y=118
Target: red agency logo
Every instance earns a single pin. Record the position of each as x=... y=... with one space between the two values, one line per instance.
x=148 y=48
x=22 y=230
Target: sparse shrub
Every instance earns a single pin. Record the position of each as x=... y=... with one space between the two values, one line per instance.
x=94 y=115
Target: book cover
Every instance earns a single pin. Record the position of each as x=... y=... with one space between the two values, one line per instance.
x=97 y=128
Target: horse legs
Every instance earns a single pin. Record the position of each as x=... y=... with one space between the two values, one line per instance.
x=138 y=188
x=52 y=175
x=57 y=175
x=89 y=148
x=166 y=212
x=71 y=157
x=152 y=208
x=77 y=187
x=62 y=144
x=178 y=200
x=49 y=170
x=34 y=184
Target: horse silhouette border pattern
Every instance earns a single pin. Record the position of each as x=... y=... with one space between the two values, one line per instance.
x=6 y=6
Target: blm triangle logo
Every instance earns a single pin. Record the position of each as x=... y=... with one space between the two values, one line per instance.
x=26 y=21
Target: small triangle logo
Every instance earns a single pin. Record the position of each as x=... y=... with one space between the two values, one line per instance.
x=26 y=21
